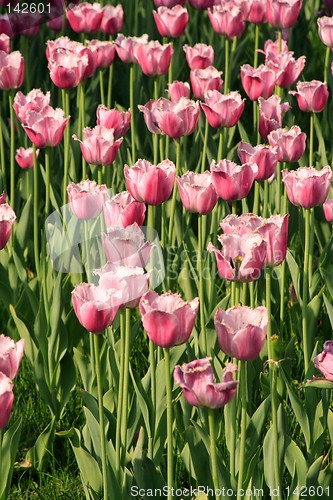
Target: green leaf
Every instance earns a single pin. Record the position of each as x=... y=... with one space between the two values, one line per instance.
x=295 y=462
x=89 y=469
x=8 y=452
x=329 y=309
x=30 y=349
x=43 y=448
x=295 y=274
x=319 y=383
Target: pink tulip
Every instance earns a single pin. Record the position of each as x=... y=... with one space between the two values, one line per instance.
x=11 y=70
x=169 y=3
x=46 y=127
x=11 y=354
x=25 y=158
x=200 y=56
x=3 y=198
x=271 y=111
x=98 y=146
x=149 y=183
x=197 y=382
x=227 y=20
x=290 y=143
x=241 y=259
x=287 y=69
x=257 y=12
x=127 y=47
x=201 y=4
x=35 y=100
x=325 y=30
x=4 y=43
x=96 y=307
x=328 y=210
x=119 y=121
x=171 y=22
x=7 y=218
x=151 y=110
x=127 y=246
x=258 y=82
x=167 y=319
x=311 y=96
x=231 y=181
x=283 y=13
x=177 y=89
x=123 y=210
x=67 y=69
x=265 y=157
x=241 y=331
x=104 y=52
x=197 y=192
x=223 y=110
x=76 y=48
x=203 y=80
x=240 y=224
x=324 y=361
x=27 y=23
x=307 y=187
x=6 y=399
x=112 y=19
x=85 y=17
x=87 y=198
x=273 y=48
x=178 y=119
x=154 y=58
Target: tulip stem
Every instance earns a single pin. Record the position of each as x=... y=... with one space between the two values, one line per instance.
x=226 y=65
x=283 y=270
x=152 y=363
x=256 y=46
x=305 y=293
x=2 y=157
x=220 y=149
x=266 y=192
x=47 y=182
x=311 y=141
x=101 y=86
x=82 y=124
x=110 y=79
x=201 y=282
x=65 y=94
x=12 y=151
x=278 y=190
x=124 y=415
x=273 y=382
x=212 y=448
x=204 y=149
x=131 y=96
x=174 y=194
x=326 y=65
x=243 y=397
x=36 y=227
x=169 y=422
x=120 y=393
x=256 y=198
x=101 y=413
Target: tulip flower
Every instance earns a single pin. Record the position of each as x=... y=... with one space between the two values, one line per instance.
x=85 y=17
x=127 y=47
x=149 y=183
x=325 y=30
x=178 y=119
x=4 y=43
x=257 y=12
x=112 y=19
x=258 y=82
x=283 y=13
x=6 y=399
x=274 y=48
x=127 y=246
x=197 y=382
x=104 y=51
x=307 y=187
x=227 y=20
x=35 y=100
x=324 y=361
x=151 y=112
x=287 y=69
x=119 y=121
x=154 y=58
x=67 y=68
x=11 y=354
x=328 y=210
x=25 y=158
x=45 y=127
x=290 y=144
x=123 y=210
x=63 y=43
x=311 y=96
x=197 y=192
x=169 y=3
x=223 y=110
x=98 y=146
x=203 y=80
x=171 y=22
x=177 y=89
x=201 y=4
x=11 y=70
x=7 y=218
x=6 y=25
x=87 y=198
x=241 y=259
x=241 y=331
x=265 y=157
x=271 y=111
x=231 y=181
x=200 y=56
x=167 y=319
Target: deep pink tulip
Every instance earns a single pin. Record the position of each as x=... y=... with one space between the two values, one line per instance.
x=274 y=230
x=223 y=110
x=231 y=181
x=241 y=259
x=258 y=82
x=6 y=25
x=167 y=319
x=177 y=119
x=265 y=157
x=119 y=121
x=67 y=68
x=112 y=19
x=271 y=111
x=154 y=58
x=201 y=4
x=171 y=22
x=25 y=158
x=273 y=48
x=177 y=89
x=290 y=143
x=127 y=246
x=325 y=30
x=169 y=3
x=87 y=198
x=197 y=192
x=324 y=361
x=96 y=307
x=328 y=210
x=123 y=210
x=227 y=20
x=6 y=399
x=45 y=127
x=200 y=56
x=287 y=69
x=11 y=354
x=311 y=96
x=127 y=47
x=11 y=70
x=103 y=51
x=27 y=24
x=149 y=183
x=3 y=198
x=98 y=146
x=85 y=17
x=241 y=331
x=283 y=13
x=203 y=80
x=7 y=218
x=151 y=111
x=257 y=12
x=307 y=187
x=35 y=100
x=197 y=382
x=4 y=43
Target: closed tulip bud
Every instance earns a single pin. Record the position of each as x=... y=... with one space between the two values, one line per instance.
x=87 y=198
x=231 y=181
x=283 y=13
x=199 y=56
x=6 y=399
x=5 y=43
x=311 y=96
x=257 y=12
x=290 y=144
x=123 y=210
x=203 y=80
x=324 y=361
x=197 y=192
x=171 y=22
x=258 y=82
x=307 y=187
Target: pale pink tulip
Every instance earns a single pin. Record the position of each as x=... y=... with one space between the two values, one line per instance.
x=171 y=22
x=283 y=13
x=328 y=210
x=119 y=121
x=87 y=198
x=271 y=111
x=227 y=20
x=6 y=399
x=290 y=144
x=324 y=361
x=11 y=354
x=7 y=219
x=177 y=89
x=112 y=19
x=199 y=56
x=203 y=80
x=223 y=110
x=85 y=17
x=178 y=119
x=24 y=157
x=311 y=96
x=99 y=146
x=127 y=47
x=123 y=210
x=307 y=187
x=11 y=70
x=127 y=246
x=45 y=127
x=197 y=192
x=231 y=181
x=35 y=100
x=258 y=82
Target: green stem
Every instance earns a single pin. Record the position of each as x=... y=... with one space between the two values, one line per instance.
x=65 y=94
x=47 y=181
x=12 y=151
x=36 y=200
x=243 y=396
x=256 y=46
x=226 y=65
x=120 y=393
x=278 y=187
x=2 y=158
x=169 y=423
x=283 y=271
x=101 y=413
x=204 y=149
x=101 y=86
x=266 y=193
x=220 y=149
x=174 y=194
x=124 y=415
x=312 y=221
x=305 y=293
x=152 y=363
x=82 y=120
x=132 y=69
x=170 y=79
x=234 y=207
x=311 y=141
x=212 y=449
x=110 y=79
x=201 y=282
x=256 y=198
x=326 y=65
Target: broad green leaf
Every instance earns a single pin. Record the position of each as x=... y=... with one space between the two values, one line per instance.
x=89 y=469
x=43 y=448
x=295 y=274
x=8 y=452
x=295 y=462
